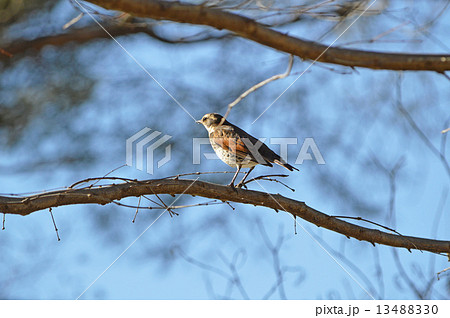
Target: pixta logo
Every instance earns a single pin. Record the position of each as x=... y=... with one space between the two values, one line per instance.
x=145 y=139
x=308 y=151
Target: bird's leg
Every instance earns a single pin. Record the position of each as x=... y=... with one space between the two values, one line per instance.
x=245 y=177
x=235 y=176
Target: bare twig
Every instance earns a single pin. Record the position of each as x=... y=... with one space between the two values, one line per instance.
x=73 y=21
x=437 y=221
x=445 y=75
x=444 y=136
x=169 y=209
x=152 y=201
x=137 y=209
x=213 y=202
x=429 y=23
x=379 y=273
x=418 y=131
x=295 y=224
x=342 y=12
x=411 y=41
x=392 y=195
x=204 y=266
x=442 y=271
x=403 y=274
x=418 y=28
x=392 y=174
x=257 y=86
x=364 y=220
x=274 y=250
x=267 y=177
x=232 y=278
x=98 y=179
x=54 y=223
x=342 y=71
x=229 y=204
x=198 y=173
x=354 y=266
x=379 y=36
x=371 y=222
x=235 y=277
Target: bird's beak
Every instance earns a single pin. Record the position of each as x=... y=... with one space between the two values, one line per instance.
x=198 y=121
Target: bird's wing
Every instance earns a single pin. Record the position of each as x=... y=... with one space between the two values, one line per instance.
x=231 y=138
x=263 y=150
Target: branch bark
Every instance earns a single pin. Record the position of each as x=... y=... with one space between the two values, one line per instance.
x=77 y=35
x=252 y=30
x=105 y=194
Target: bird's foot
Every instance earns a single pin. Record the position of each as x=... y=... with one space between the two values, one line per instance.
x=240 y=185
x=233 y=187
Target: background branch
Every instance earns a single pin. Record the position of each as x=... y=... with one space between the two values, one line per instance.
x=252 y=30
x=89 y=33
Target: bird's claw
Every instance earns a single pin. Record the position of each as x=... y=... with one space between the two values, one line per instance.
x=233 y=187
x=240 y=185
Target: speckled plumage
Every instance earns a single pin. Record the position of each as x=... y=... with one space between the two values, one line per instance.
x=237 y=148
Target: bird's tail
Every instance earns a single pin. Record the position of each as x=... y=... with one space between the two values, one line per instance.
x=282 y=163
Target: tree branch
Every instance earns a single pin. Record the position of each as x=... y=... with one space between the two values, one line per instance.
x=104 y=194
x=79 y=35
x=252 y=30
x=85 y=34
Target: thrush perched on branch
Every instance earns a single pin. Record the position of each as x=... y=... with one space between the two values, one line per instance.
x=237 y=148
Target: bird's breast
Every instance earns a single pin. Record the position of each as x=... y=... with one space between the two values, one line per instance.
x=230 y=157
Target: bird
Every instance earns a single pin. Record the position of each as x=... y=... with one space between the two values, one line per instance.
x=238 y=148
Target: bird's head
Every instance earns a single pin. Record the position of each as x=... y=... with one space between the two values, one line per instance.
x=210 y=121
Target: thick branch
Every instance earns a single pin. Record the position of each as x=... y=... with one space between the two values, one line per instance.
x=252 y=30
x=108 y=193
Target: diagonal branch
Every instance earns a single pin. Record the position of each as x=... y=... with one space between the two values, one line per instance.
x=260 y=33
x=257 y=86
x=105 y=194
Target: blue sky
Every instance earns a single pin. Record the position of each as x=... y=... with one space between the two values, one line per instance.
x=352 y=118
